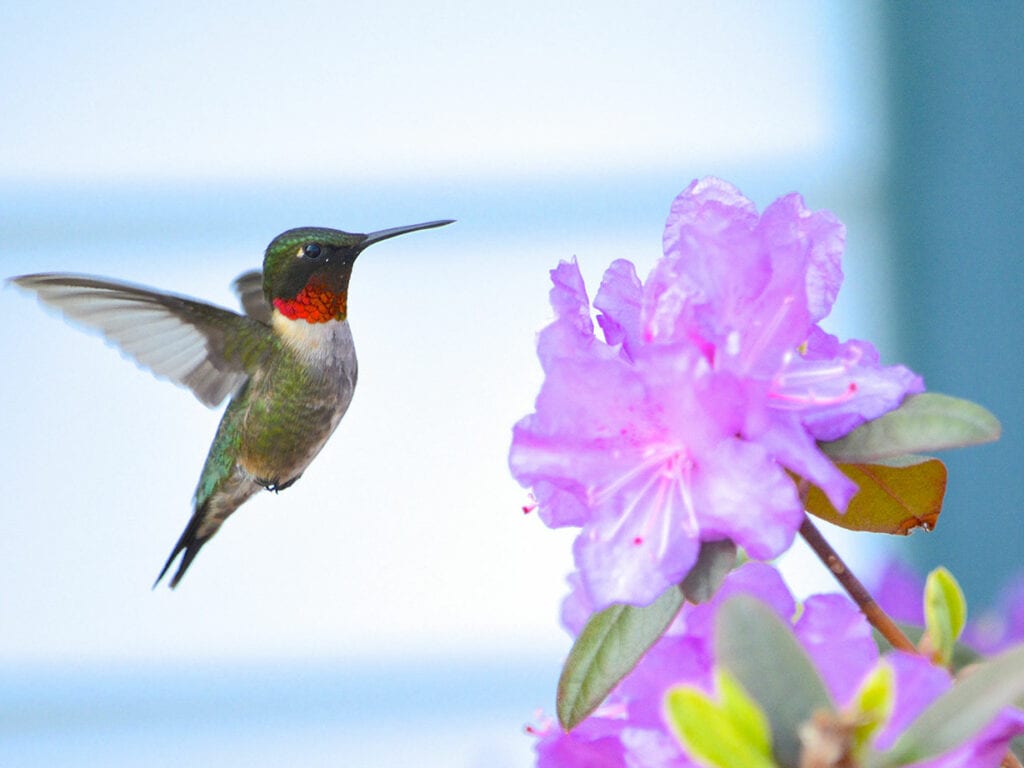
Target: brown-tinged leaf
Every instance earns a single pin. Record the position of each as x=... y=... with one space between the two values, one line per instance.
x=894 y=497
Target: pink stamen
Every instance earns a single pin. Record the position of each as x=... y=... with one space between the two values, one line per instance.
x=652 y=459
x=810 y=398
x=802 y=388
x=626 y=516
x=667 y=480
x=543 y=727
x=658 y=505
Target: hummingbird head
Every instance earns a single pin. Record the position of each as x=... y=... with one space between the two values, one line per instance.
x=306 y=270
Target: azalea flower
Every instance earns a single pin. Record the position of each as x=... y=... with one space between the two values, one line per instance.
x=708 y=382
x=631 y=727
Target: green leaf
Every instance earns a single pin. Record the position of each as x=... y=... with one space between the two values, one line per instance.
x=713 y=564
x=894 y=497
x=945 y=613
x=615 y=639
x=730 y=734
x=923 y=423
x=963 y=711
x=759 y=650
x=1017 y=747
x=607 y=649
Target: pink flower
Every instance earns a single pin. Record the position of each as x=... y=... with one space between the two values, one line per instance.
x=712 y=379
x=630 y=727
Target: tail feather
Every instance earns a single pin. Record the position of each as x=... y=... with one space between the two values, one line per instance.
x=220 y=492
x=189 y=542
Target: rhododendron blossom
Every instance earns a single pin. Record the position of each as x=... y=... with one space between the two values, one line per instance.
x=630 y=728
x=709 y=381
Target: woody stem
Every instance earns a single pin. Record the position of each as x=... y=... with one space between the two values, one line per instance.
x=879 y=619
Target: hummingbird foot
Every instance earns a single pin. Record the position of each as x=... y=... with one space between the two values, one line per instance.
x=276 y=485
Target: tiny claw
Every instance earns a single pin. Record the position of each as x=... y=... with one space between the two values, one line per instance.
x=274 y=485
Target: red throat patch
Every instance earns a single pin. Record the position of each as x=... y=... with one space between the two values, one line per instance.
x=314 y=304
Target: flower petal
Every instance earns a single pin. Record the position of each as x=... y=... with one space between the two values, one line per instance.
x=831 y=627
x=794 y=449
x=742 y=494
x=619 y=301
x=840 y=386
x=639 y=556
x=713 y=266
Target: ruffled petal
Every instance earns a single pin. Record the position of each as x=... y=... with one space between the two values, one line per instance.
x=795 y=449
x=742 y=494
x=713 y=266
x=619 y=302
x=634 y=557
x=806 y=250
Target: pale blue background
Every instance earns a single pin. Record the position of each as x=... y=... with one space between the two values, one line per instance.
x=394 y=606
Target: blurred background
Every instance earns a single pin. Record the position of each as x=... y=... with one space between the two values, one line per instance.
x=396 y=607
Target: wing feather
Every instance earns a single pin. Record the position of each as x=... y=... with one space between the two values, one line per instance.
x=249 y=287
x=208 y=349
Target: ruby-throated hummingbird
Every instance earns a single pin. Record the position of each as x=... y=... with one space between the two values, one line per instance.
x=288 y=363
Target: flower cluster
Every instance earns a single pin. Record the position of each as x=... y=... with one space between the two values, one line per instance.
x=710 y=383
x=693 y=417
x=631 y=728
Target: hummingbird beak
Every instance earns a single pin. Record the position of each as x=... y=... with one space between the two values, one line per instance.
x=384 y=234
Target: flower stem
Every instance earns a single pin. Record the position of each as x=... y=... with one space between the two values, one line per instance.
x=879 y=619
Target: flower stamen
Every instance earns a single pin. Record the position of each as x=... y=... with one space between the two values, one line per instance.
x=802 y=387
x=812 y=399
x=652 y=458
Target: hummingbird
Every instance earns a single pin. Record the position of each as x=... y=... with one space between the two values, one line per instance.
x=288 y=363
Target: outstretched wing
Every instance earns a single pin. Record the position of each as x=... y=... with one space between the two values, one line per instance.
x=249 y=287
x=205 y=348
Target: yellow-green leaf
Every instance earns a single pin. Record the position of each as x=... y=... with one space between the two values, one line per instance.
x=731 y=734
x=894 y=497
x=945 y=613
x=759 y=649
x=873 y=702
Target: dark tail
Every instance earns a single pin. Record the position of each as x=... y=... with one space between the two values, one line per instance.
x=190 y=543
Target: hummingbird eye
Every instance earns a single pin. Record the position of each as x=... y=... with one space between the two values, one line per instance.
x=311 y=250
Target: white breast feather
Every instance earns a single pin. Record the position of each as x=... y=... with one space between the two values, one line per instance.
x=326 y=345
